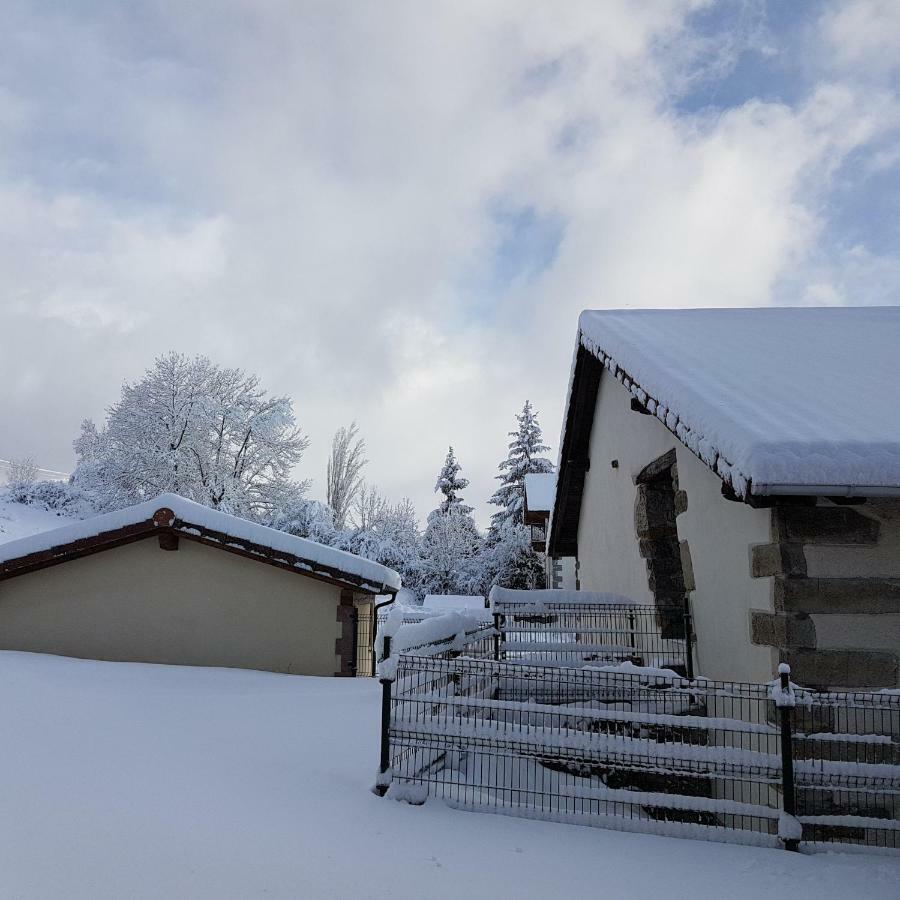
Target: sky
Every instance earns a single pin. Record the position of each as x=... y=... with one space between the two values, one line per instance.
x=393 y=212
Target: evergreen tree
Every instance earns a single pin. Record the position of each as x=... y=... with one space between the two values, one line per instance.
x=523 y=459
x=451 y=555
x=449 y=483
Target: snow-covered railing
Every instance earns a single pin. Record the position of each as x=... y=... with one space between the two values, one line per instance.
x=588 y=628
x=447 y=637
x=639 y=748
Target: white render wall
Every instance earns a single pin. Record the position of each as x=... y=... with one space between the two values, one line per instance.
x=198 y=606
x=719 y=533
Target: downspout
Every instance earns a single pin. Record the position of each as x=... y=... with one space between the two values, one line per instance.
x=378 y=606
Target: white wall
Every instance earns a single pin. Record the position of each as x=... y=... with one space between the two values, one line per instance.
x=719 y=532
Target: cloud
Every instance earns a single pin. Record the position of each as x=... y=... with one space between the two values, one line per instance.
x=394 y=212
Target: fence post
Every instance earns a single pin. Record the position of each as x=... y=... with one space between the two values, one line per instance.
x=688 y=640
x=785 y=700
x=384 y=767
x=497 y=618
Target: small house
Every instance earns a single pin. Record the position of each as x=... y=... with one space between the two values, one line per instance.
x=171 y=581
x=744 y=463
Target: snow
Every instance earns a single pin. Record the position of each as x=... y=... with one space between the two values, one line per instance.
x=194 y=514
x=141 y=781
x=770 y=398
x=20 y=520
x=453 y=602
x=789 y=827
x=540 y=489
x=515 y=600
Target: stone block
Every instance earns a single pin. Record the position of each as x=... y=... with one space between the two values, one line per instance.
x=777 y=559
x=833 y=525
x=687 y=566
x=776 y=630
x=849 y=596
x=842 y=668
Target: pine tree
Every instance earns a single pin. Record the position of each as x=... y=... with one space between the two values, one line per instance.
x=449 y=483
x=523 y=459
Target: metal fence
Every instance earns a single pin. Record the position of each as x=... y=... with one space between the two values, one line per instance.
x=642 y=751
x=846 y=756
x=596 y=633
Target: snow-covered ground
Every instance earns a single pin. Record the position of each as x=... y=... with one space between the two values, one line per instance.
x=19 y=520
x=125 y=780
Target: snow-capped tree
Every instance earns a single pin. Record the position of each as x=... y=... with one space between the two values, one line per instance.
x=344 y=476
x=524 y=458
x=388 y=534
x=194 y=428
x=451 y=561
x=510 y=561
x=449 y=483
x=310 y=519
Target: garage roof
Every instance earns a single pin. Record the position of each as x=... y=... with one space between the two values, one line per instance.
x=174 y=515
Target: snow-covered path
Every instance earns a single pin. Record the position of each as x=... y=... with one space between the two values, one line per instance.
x=155 y=781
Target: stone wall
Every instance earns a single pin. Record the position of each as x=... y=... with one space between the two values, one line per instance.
x=836 y=590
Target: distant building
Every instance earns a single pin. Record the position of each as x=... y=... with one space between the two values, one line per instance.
x=539 y=491
x=170 y=581
x=744 y=463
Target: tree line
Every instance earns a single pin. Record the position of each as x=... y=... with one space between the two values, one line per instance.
x=215 y=436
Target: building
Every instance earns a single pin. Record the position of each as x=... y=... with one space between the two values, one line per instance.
x=539 y=490
x=745 y=462
x=171 y=581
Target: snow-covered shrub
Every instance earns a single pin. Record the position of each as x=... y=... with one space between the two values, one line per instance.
x=55 y=496
x=310 y=519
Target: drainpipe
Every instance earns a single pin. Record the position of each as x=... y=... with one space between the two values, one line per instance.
x=378 y=606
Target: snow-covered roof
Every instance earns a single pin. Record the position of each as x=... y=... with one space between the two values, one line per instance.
x=775 y=400
x=539 y=489
x=453 y=601
x=194 y=520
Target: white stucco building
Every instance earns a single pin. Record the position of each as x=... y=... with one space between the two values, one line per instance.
x=747 y=463
x=171 y=581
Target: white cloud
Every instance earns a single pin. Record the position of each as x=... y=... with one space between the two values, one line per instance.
x=310 y=191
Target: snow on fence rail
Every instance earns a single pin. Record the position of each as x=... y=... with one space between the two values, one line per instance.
x=640 y=749
x=578 y=628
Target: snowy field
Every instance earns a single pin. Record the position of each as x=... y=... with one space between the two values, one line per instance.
x=123 y=780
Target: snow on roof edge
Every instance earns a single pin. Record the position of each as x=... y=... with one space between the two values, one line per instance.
x=196 y=514
x=703 y=449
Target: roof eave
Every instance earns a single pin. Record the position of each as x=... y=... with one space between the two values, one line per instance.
x=824 y=490
x=137 y=531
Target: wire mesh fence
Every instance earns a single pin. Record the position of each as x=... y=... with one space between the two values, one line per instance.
x=846 y=751
x=598 y=633
x=647 y=751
